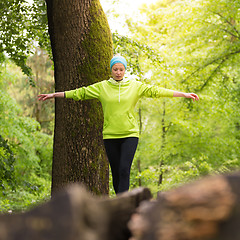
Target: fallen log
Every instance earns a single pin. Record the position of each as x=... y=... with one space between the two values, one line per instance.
x=203 y=210
x=208 y=209
x=119 y=211
x=75 y=214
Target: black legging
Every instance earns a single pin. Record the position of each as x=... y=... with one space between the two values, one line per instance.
x=120 y=153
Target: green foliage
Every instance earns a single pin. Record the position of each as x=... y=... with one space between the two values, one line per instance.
x=22 y=26
x=199 y=47
x=25 y=155
x=26 y=95
x=191 y=46
x=134 y=51
x=7 y=161
x=198 y=38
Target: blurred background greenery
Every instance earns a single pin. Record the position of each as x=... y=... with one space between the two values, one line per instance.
x=184 y=45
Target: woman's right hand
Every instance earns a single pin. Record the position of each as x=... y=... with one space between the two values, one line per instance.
x=43 y=97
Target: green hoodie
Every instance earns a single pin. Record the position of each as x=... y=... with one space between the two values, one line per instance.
x=118 y=99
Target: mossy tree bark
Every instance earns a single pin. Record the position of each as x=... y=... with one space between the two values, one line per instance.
x=82 y=48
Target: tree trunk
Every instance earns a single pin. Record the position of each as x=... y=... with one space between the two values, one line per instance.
x=139 y=159
x=164 y=132
x=82 y=48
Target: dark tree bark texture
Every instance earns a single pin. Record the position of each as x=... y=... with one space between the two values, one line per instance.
x=74 y=214
x=82 y=48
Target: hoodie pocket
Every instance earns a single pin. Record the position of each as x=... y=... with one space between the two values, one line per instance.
x=120 y=123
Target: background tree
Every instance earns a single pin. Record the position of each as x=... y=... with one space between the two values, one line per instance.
x=199 y=43
x=25 y=151
x=23 y=24
x=81 y=48
x=25 y=94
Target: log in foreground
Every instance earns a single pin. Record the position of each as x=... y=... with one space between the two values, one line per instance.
x=208 y=209
x=75 y=214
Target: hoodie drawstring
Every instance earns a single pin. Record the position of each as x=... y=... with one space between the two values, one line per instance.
x=119 y=92
x=122 y=82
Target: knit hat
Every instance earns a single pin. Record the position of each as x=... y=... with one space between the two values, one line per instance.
x=118 y=59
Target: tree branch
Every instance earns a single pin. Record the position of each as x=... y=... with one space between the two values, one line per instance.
x=222 y=58
x=228 y=22
x=233 y=35
x=212 y=74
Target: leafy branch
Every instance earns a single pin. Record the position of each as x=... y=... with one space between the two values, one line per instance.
x=222 y=59
x=228 y=22
x=134 y=49
x=23 y=25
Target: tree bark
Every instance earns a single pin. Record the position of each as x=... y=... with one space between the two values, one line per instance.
x=74 y=214
x=207 y=209
x=164 y=132
x=139 y=159
x=82 y=48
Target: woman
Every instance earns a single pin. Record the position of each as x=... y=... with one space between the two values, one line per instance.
x=118 y=97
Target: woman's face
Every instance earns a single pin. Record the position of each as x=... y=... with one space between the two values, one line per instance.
x=118 y=71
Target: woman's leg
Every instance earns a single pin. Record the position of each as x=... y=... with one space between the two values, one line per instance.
x=113 y=150
x=128 y=149
x=120 y=153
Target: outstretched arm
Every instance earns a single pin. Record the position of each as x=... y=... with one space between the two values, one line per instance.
x=194 y=96
x=43 y=97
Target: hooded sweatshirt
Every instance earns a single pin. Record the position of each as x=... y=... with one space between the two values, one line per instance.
x=118 y=99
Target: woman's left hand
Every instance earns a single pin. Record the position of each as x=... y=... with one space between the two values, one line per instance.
x=194 y=96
